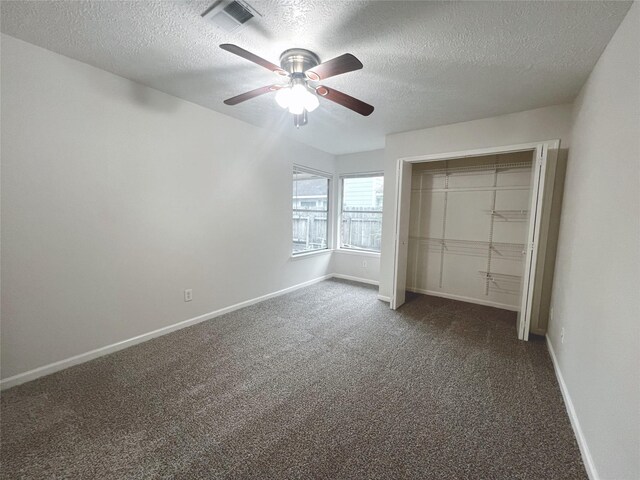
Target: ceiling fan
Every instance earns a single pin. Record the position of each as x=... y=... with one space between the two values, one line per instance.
x=298 y=95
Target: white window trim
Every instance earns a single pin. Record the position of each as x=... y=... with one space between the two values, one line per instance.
x=337 y=237
x=362 y=174
x=357 y=251
x=330 y=233
x=311 y=253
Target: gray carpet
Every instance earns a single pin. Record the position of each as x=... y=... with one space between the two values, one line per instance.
x=325 y=382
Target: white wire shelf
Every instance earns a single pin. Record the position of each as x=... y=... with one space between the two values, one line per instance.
x=503 y=277
x=509 y=215
x=502 y=282
x=477 y=248
x=475 y=168
x=472 y=189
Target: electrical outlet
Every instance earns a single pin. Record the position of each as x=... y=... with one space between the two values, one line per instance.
x=562 y=335
x=364 y=264
x=188 y=295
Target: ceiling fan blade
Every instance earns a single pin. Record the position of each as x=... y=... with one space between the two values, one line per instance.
x=345 y=100
x=241 y=52
x=336 y=66
x=251 y=94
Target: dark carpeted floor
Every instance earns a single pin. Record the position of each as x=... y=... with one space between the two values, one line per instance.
x=325 y=382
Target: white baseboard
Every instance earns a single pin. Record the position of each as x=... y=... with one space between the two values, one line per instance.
x=461 y=298
x=355 y=279
x=384 y=299
x=573 y=417
x=99 y=352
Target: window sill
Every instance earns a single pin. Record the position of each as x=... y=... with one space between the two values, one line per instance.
x=353 y=251
x=311 y=254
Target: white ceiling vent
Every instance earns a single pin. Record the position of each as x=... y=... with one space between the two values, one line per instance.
x=230 y=15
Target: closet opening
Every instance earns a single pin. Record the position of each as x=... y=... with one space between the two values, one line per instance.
x=468 y=227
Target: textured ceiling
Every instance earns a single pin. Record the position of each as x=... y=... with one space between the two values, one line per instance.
x=425 y=63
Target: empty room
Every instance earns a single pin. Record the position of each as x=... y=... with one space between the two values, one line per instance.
x=320 y=239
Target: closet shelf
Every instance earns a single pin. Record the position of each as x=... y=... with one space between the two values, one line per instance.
x=500 y=276
x=484 y=243
x=475 y=168
x=509 y=215
x=514 y=290
x=472 y=189
x=507 y=251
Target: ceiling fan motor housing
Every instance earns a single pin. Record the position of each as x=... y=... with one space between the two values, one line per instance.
x=298 y=60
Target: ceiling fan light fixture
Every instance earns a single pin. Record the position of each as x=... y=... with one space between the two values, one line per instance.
x=296 y=109
x=311 y=102
x=283 y=97
x=297 y=99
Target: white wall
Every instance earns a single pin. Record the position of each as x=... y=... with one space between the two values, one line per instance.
x=362 y=265
x=361 y=162
x=116 y=197
x=596 y=294
x=524 y=127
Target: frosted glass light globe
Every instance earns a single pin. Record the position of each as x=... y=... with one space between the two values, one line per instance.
x=283 y=97
x=297 y=101
x=311 y=102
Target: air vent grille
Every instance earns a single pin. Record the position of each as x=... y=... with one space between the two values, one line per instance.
x=238 y=12
x=230 y=15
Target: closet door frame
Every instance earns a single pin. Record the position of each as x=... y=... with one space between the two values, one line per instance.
x=542 y=151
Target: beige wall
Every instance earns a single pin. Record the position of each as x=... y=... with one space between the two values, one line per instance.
x=596 y=294
x=116 y=198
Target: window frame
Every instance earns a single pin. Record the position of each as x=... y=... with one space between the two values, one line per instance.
x=340 y=212
x=329 y=236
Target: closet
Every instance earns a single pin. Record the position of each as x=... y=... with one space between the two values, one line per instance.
x=480 y=226
x=467 y=228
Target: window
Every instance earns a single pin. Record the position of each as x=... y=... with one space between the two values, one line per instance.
x=310 y=210
x=361 y=214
